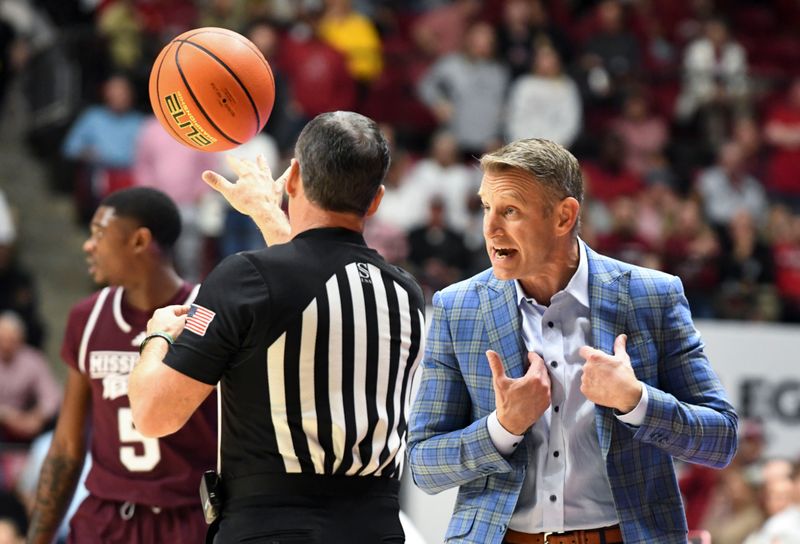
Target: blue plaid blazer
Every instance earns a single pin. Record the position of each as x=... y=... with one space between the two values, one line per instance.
x=688 y=415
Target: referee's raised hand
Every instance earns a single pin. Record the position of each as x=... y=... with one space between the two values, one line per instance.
x=520 y=402
x=255 y=194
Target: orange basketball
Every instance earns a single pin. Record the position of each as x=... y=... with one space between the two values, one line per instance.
x=211 y=89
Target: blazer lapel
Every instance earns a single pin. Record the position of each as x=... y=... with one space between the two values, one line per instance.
x=609 y=301
x=502 y=321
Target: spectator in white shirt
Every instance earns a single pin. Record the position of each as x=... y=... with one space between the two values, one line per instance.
x=441 y=175
x=726 y=188
x=466 y=91
x=544 y=104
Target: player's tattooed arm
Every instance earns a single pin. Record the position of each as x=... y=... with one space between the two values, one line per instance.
x=62 y=466
x=57 y=483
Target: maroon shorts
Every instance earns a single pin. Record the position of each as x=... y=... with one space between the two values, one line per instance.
x=99 y=521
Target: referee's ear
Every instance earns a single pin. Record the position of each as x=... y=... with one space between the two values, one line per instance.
x=292 y=179
x=376 y=201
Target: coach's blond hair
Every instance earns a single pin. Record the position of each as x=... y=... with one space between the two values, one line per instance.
x=554 y=168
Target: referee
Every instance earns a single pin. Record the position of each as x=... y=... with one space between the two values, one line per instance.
x=313 y=344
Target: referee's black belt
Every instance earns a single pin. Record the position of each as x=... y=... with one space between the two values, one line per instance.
x=307 y=484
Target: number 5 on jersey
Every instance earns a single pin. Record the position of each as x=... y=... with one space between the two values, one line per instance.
x=127 y=454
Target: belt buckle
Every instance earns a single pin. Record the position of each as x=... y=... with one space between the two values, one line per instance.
x=547 y=537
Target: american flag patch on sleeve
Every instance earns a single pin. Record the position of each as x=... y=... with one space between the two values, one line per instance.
x=198 y=319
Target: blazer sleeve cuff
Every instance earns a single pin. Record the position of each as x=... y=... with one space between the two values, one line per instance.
x=481 y=455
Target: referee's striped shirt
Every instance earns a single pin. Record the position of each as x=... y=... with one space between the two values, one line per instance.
x=314 y=344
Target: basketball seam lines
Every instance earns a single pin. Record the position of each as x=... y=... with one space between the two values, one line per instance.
x=245 y=42
x=194 y=97
x=233 y=74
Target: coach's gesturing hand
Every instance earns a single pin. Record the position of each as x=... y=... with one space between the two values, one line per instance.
x=521 y=401
x=608 y=380
x=256 y=194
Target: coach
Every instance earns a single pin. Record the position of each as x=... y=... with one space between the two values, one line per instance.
x=313 y=343
x=558 y=386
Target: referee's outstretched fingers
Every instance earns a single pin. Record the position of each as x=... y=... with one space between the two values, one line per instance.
x=216 y=181
x=280 y=183
x=263 y=166
x=241 y=167
x=274 y=190
x=246 y=195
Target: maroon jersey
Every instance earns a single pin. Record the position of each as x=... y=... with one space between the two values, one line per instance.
x=102 y=342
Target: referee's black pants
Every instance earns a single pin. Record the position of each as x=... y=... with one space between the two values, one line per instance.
x=362 y=517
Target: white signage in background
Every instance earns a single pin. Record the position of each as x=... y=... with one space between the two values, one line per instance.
x=759 y=365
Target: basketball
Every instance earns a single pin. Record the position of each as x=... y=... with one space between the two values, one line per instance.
x=211 y=89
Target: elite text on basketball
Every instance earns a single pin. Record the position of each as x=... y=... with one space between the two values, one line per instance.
x=184 y=119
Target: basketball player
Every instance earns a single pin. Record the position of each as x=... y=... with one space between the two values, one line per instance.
x=141 y=490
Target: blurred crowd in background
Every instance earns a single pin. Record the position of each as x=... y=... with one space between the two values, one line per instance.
x=685 y=116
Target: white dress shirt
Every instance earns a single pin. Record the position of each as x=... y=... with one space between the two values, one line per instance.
x=566 y=486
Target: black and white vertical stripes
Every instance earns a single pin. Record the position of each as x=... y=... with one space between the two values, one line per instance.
x=339 y=378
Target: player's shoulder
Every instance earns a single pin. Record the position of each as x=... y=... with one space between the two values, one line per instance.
x=83 y=308
x=84 y=313
x=187 y=293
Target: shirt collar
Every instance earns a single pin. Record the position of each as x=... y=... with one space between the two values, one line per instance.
x=578 y=286
x=333 y=233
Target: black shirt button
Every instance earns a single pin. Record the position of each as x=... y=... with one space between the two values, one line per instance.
x=555 y=408
x=554 y=364
x=550 y=324
x=553 y=498
x=555 y=454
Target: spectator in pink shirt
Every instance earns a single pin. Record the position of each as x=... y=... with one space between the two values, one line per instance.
x=165 y=164
x=29 y=395
x=644 y=134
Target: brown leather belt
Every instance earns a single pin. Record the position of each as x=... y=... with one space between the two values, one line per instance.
x=604 y=535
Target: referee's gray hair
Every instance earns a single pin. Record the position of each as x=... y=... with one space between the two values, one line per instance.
x=554 y=168
x=343 y=159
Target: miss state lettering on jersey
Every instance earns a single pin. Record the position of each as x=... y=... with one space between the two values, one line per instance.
x=113 y=368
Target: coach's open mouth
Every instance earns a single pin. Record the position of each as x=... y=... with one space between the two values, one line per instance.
x=503 y=252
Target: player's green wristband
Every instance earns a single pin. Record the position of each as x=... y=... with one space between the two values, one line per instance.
x=159 y=334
